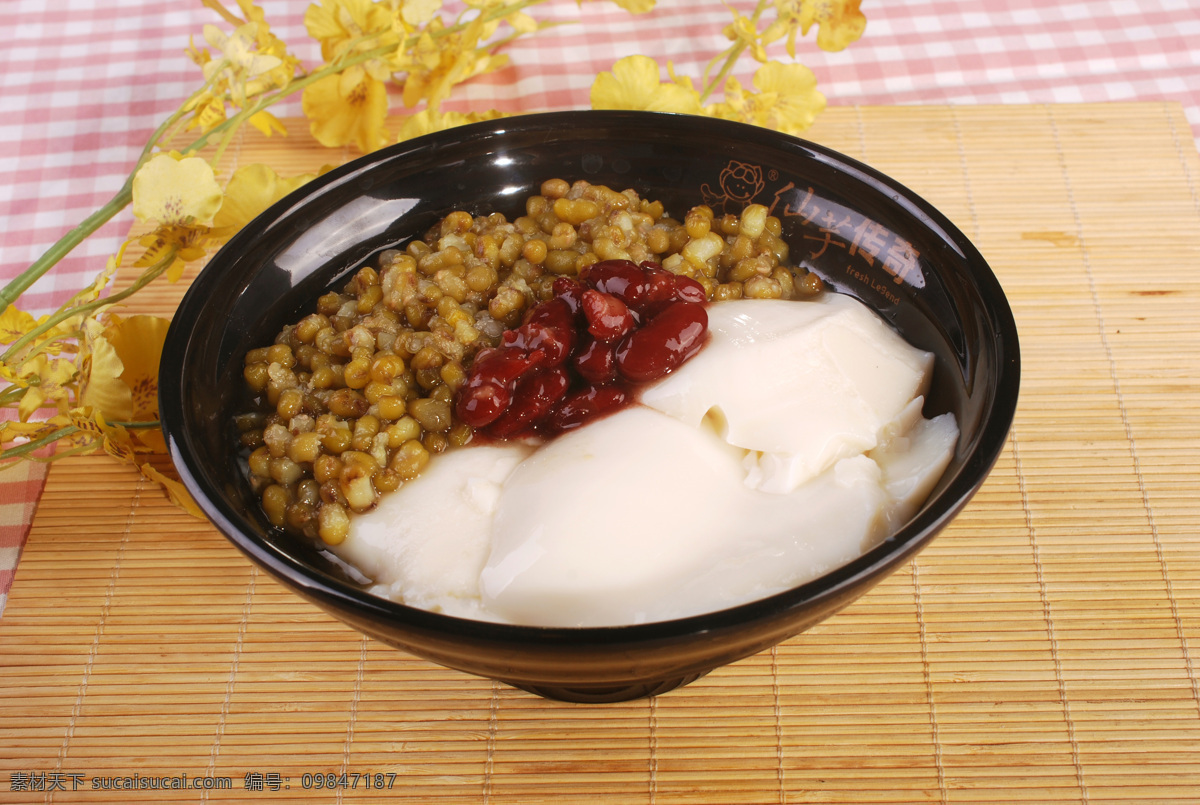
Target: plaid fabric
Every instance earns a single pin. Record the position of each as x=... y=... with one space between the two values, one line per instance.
x=20 y=486
x=84 y=83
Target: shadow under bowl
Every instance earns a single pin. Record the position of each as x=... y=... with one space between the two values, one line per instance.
x=863 y=233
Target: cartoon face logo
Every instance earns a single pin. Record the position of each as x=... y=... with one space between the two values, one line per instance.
x=739 y=183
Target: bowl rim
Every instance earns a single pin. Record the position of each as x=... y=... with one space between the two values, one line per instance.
x=899 y=546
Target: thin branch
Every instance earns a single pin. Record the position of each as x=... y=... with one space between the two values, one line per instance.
x=63 y=314
x=29 y=447
x=734 y=53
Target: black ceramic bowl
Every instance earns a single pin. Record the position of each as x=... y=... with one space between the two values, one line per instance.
x=863 y=233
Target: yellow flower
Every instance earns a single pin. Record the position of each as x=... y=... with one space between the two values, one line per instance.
x=122 y=372
x=15 y=323
x=347 y=108
x=788 y=96
x=344 y=27
x=94 y=431
x=47 y=382
x=11 y=431
x=254 y=61
x=90 y=293
x=138 y=341
x=251 y=190
x=186 y=242
x=839 y=22
x=435 y=66
x=269 y=45
x=240 y=60
x=181 y=194
x=336 y=23
x=208 y=111
x=9 y=373
x=633 y=84
x=428 y=121
x=14 y=434
x=174 y=190
x=101 y=388
x=742 y=30
x=787 y=99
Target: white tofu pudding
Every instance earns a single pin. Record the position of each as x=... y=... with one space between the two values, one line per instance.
x=789 y=445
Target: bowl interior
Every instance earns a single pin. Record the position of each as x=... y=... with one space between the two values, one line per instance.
x=861 y=232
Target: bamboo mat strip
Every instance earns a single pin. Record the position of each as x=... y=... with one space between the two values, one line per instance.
x=1044 y=649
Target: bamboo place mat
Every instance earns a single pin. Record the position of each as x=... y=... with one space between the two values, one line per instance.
x=1043 y=649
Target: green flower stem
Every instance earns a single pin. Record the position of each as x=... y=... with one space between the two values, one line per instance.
x=66 y=430
x=48 y=344
x=62 y=315
x=29 y=447
x=12 y=394
x=497 y=13
x=66 y=244
x=57 y=454
x=732 y=55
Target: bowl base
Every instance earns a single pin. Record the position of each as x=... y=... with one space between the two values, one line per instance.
x=607 y=694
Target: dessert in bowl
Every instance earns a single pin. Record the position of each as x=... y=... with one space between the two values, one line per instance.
x=861 y=234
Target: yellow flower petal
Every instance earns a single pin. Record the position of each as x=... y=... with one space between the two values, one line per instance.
x=104 y=390
x=9 y=374
x=339 y=24
x=633 y=84
x=48 y=383
x=427 y=121
x=94 y=429
x=796 y=103
x=138 y=341
x=840 y=22
x=187 y=243
x=416 y=13
x=207 y=113
x=176 y=190
x=636 y=6
x=251 y=190
x=120 y=449
x=322 y=24
x=149 y=440
x=337 y=119
x=31 y=401
x=11 y=431
x=267 y=123
x=174 y=490
x=242 y=50
x=15 y=323
x=250 y=11
x=522 y=23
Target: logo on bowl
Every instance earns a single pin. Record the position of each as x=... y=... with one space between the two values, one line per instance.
x=738 y=185
x=827 y=226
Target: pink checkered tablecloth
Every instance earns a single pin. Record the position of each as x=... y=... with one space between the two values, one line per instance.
x=84 y=82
